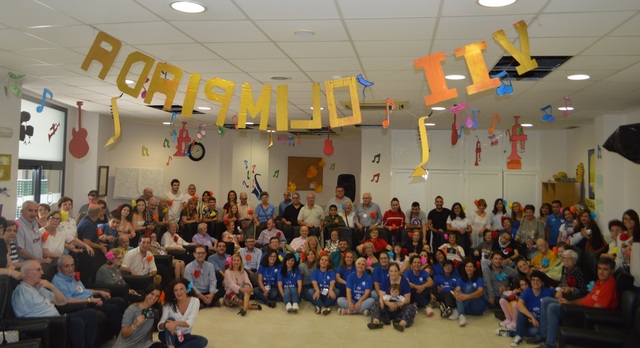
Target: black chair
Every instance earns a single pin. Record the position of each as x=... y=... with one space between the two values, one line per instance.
x=29 y=343
x=601 y=336
x=51 y=331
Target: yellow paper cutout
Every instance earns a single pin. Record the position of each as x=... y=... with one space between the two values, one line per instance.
x=318 y=188
x=435 y=78
x=523 y=56
x=64 y=215
x=321 y=164
x=97 y=52
x=312 y=172
x=292 y=187
x=122 y=77
x=190 y=96
x=354 y=119
x=270 y=140
x=424 y=142
x=258 y=109
x=282 y=108
x=164 y=86
x=477 y=67
x=316 y=119
x=224 y=99
x=116 y=121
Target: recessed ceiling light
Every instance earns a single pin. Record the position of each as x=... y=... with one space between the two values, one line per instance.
x=496 y=3
x=578 y=77
x=129 y=82
x=280 y=78
x=455 y=77
x=430 y=124
x=311 y=107
x=166 y=123
x=304 y=32
x=204 y=108
x=567 y=108
x=188 y=7
x=526 y=125
x=249 y=123
x=271 y=131
x=438 y=108
x=335 y=77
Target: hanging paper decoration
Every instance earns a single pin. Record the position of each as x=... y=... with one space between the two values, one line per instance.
x=454 y=126
x=270 y=139
x=220 y=131
x=523 y=56
x=13 y=82
x=504 y=88
x=390 y=106
x=184 y=141
x=365 y=83
x=478 y=150
x=424 y=143
x=514 y=161
x=328 y=143
x=201 y=130
x=78 y=146
x=474 y=124
x=547 y=117
x=292 y=187
x=567 y=103
x=45 y=92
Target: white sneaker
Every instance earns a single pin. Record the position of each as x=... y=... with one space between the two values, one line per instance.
x=516 y=340
x=462 y=321
x=429 y=312
x=454 y=315
x=295 y=307
x=366 y=312
x=289 y=307
x=502 y=332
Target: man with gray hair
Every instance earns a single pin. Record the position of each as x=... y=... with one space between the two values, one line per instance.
x=367 y=215
x=147 y=193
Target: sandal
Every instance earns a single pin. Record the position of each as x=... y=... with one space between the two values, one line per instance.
x=242 y=312
x=374 y=326
x=397 y=326
x=259 y=307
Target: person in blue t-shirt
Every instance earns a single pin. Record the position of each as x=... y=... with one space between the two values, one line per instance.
x=267 y=289
x=420 y=283
x=380 y=273
x=357 y=297
x=444 y=284
x=383 y=311
x=528 y=323
x=290 y=283
x=553 y=223
x=324 y=293
x=347 y=266
x=469 y=294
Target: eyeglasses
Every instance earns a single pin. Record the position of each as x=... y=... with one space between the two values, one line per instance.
x=34 y=269
x=92 y=195
x=54 y=218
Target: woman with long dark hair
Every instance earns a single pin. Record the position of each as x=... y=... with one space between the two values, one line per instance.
x=267 y=289
x=290 y=283
x=138 y=319
x=469 y=294
x=497 y=213
x=178 y=316
x=458 y=222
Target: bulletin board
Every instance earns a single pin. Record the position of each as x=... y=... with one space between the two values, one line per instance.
x=129 y=182
x=305 y=172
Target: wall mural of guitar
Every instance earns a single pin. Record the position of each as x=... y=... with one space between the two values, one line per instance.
x=78 y=146
x=328 y=143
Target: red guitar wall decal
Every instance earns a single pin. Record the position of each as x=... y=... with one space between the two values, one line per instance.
x=454 y=130
x=78 y=146
x=328 y=143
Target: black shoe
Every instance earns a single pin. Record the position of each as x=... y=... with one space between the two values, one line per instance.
x=259 y=307
x=374 y=326
x=242 y=312
x=385 y=321
x=397 y=326
x=271 y=304
x=499 y=315
x=535 y=340
x=443 y=309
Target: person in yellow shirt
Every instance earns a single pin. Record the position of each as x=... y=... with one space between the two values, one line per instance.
x=545 y=257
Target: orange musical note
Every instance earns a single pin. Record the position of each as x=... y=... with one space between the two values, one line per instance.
x=253 y=169
x=169 y=160
x=376 y=177
x=385 y=123
x=493 y=122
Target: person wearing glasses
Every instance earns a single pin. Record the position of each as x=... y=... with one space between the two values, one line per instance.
x=109 y=273
x=203 y=277
x=55 y=242
x=36 y=297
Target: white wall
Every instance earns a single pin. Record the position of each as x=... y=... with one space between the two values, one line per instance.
x=10 y=116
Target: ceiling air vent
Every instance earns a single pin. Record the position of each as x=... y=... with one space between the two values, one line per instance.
x=174 y=108
x=375 y=105
x=546 y=64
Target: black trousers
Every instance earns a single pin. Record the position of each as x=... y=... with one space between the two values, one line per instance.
x=83 y=328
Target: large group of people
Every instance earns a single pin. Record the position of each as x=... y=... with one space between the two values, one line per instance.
x=388 y=266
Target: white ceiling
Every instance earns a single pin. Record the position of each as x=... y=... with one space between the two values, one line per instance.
x=250 y=41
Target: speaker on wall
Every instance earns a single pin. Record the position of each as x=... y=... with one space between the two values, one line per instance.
x=348 y=181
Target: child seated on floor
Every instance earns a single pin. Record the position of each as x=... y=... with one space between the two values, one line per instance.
x=394 y=294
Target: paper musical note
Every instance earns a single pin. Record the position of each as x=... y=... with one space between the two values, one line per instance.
x=253 y=169
x=173 y=117
x=457 y=108
x=116 y=120
x=494 y=139
x=46 y=92
x=201 y=130
x=333 y=166
x=376 y=177
x=175 y=135
x=298 y=134
x=291 y=141
x=468 y=122
x=503 y=88
x=475 y=112
x=246 y=164
x=478 y=150
x=547 y=117
x=165 y=143
x=424 y=143
x=143 y=94
x=567 y=102
x=599 y=155
x=276 y=173
x=376 y=159
x=270 y=140
x=460 y=132
x=169 y=160
x=493 y=123
x=245 y=184
x=145 y=151
x=4 y=191
x=385 y=123
x=283 y=139
x=248 y=176
x=220 y=131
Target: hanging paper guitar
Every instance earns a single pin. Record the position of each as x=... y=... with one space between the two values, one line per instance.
x=454 y=127
x=78 y=146
x=478 y=151
x=328 y=143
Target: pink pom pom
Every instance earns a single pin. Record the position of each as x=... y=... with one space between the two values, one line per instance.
x=368 y=263
x=446 y=237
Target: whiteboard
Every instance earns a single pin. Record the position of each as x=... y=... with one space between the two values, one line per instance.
x=129 y=182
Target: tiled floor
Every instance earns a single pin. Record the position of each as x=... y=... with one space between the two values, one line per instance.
x=276 y=328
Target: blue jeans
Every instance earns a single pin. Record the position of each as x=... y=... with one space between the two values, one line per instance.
x=473 y=306
x=524 y=328
x=271 y=295
x=323 y=300
x=189 y=341
x=366 y=304
x=291 y=295
x=549 y=319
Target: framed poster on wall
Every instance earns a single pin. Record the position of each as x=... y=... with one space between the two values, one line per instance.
x=592 y=173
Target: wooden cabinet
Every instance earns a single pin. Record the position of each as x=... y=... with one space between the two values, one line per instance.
x=567 y=192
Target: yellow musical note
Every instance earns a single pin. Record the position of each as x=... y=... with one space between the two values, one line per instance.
x=116 y=121
x=145 y=151
x=424 y=141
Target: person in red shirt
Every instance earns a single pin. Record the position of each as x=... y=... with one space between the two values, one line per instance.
x=393 y=220
x=602 y=295
x=378 y=243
